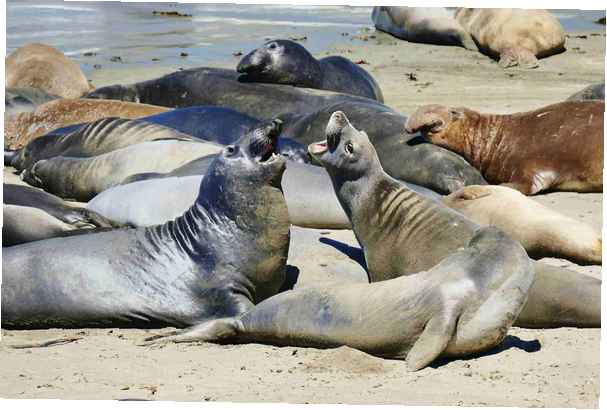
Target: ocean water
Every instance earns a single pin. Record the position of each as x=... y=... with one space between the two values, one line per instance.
x=214 y=32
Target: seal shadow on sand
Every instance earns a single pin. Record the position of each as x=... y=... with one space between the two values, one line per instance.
x=352 y=252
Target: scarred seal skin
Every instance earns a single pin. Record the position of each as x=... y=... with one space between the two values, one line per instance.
x=402 y=233
x=227 y=252
x=558 y=147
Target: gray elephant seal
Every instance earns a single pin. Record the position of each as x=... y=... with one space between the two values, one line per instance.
x=542 y=231
x=44 y=67
x=464 y=305
x=18 y=100
x=433 y=25
x=288 y=62
x=226 y=253
x=81 y=179
x=96 y=138
x=513 y=36
x=592 y=92
x=402 y=233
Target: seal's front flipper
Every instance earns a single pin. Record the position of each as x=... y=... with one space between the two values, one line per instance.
x=469 y=193
x=523 y=57
x=211 y=331
x=431 y=343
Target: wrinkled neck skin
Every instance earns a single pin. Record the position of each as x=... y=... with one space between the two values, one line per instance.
x=400 y=231
x=479 y=139
x=241 y=237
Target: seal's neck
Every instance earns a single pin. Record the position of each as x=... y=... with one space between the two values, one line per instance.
x=482 y=136
x=311 y=74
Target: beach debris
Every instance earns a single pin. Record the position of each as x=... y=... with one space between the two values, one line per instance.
x=295 y=38
x=583 y=36
x=89 y=54
x=170 y=14
x=97 y=66
x=361 y=61
x=116 y=59
x=411 y=76
x=45 y=343
x=155 y=59
x=183 y=54
x=237 y=53
x=345 y=34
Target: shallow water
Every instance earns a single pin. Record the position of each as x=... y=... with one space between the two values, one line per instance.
x=140 y=39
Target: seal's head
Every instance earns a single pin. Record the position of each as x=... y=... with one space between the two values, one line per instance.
x=280 y=62
x=347 y=152
x=436 y=122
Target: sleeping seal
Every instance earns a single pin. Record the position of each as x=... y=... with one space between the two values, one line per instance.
x=288 y=62
x=402 y=233
x=434 y=25
x=226 y=253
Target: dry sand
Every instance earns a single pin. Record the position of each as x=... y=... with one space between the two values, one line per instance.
x=554 y=368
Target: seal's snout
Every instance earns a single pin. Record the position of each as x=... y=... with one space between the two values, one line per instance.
x=274 y=128
x=335 y=126
x=9 y=157
x=429 y=118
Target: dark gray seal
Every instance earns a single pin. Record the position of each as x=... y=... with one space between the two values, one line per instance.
x=402 y=233
x=226 y=253
x=88 y=140
x=288 y=62
x=464 y=305
x=18 y=100
x=592 y=92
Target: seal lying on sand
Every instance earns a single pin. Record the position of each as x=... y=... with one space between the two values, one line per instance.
x=542 y=231
x=96 y=138
x=287 y=62
x=18 y=100
x=464 y=305
x=513 y=36
x=81 y=179
x=21 y=128
x=592 y=92
x=402 y=233
x=44 y=67
x=226 y=253
x=434 y=25
x=558 y=147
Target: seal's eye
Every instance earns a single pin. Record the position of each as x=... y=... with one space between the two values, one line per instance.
x=230 y=150
x=349 y=148
x=272 y=46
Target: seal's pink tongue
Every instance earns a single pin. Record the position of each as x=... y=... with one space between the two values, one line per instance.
x=317 y=148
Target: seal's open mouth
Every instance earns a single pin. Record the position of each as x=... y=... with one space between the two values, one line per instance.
x=264 y=145
x=318 y=148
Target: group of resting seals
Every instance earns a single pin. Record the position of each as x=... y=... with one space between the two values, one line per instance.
x=510 y=36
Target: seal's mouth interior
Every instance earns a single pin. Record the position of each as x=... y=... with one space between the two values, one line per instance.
x=318 y=148
x=264 y=144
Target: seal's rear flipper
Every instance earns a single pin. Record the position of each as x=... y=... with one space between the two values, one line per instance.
x=211 y=331
x=431 y=343
x=523 y=57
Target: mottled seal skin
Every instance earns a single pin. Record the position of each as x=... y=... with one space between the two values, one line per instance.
x=463 y=305
x=424 y=165
x=558 y=147
x=542 y=231
x=405 y=156
x=95 y=138
x=227 y=252
x=18 y=100
x=44 y=67
x=513 y=36
x=433 y=25
x=402 y=233
x=81 y=179
x=592 y=92
x=22 y=128
x=288 y=62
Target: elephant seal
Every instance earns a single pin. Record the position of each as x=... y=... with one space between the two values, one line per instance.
x=288 y=62
x=433 y=25
x=19 y=129
x=44 y=67
x=513 y=36
x=557 y=147
x=463 y=305
x=592 y=92
x=402 y=233
x=226 y=253
x=304 y=113
x=18 y=100
x=80 y=179
x=542 y=231
x=95 y=138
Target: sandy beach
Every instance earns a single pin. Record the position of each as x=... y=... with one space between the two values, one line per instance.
x=533 y=368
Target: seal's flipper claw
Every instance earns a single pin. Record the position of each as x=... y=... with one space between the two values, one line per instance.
x=431 y=343
x=469 y=193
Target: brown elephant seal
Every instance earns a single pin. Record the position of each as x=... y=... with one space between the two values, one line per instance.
x=95 y=138
x=402 y=233
x=433 y=25
x=542 y=231
x=80 y=179
x=44 y=67
x=513 y=36
x=21 y=128
x=557 y=147
x=463 y=305
x=223 y=255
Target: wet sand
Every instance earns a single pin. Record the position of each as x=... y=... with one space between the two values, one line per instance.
x=547 y=368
